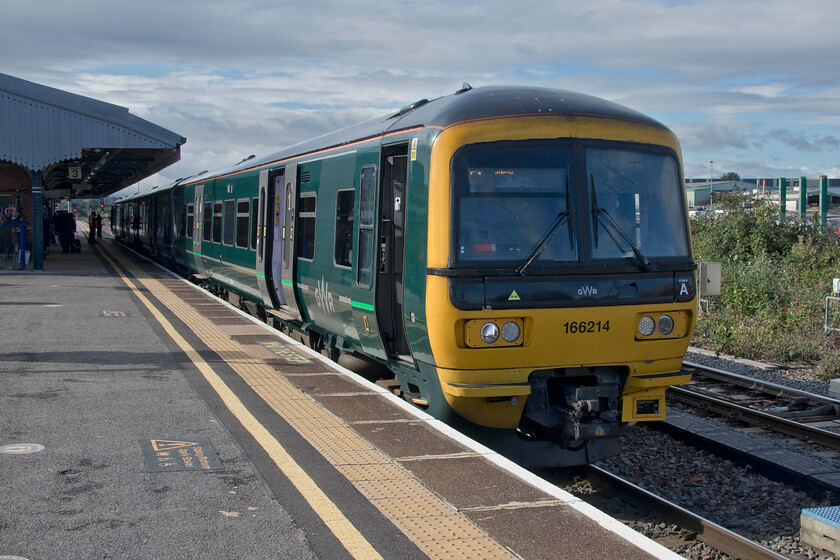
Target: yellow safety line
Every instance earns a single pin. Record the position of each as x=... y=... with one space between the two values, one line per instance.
x=330 y=514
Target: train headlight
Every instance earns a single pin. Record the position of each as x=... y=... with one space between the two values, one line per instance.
x=659 y=326
x=665 y=324
x=487 y=333
x=646 y=325
x=511 y=331
x=490 y=333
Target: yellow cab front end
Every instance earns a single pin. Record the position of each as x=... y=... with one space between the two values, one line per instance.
x=561 y=297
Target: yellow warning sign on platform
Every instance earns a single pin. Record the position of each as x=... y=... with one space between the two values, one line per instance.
x=106 y=313
x=195 y=454
x=168 y=445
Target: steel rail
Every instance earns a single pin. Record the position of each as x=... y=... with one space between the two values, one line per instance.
x=734 y=411
x=753 y=383
x=714 y=535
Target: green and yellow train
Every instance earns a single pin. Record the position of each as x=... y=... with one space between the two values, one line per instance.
x=518 y=258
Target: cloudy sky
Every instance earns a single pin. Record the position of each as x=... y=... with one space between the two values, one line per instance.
x=753 y=85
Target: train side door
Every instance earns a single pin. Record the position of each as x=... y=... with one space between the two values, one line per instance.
x=198 y=227
x=275 y=241
x=153 y=225
x=391 y=261
x=136 y=222
x=263 y=255
x=283 y=240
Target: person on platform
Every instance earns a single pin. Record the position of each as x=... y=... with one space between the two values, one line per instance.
x=65 y=225
x=99 y=225
x=45 y=221
x=92 y=226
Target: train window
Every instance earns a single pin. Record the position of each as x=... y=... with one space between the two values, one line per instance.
x=207 y=222
x=367 y=187
x=306 y=221
x=228 y=222
x=345 y=202
x=513 y=205
x=190 y=220
x=636 y=205
x=217 y=222
x=255 y=208
x=243 y=213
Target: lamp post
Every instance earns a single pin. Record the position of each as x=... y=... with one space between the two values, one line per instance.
x=711 y=183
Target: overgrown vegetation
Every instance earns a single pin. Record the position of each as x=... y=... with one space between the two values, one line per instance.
x=775 y=277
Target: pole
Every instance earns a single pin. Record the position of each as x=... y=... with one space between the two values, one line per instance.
x=803 y=197
x=711 y=182
x=783 y=196
x=37 y=221
x=823 y=201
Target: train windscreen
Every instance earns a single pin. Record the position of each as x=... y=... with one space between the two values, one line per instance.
x=533 y=206
x=636 y=205
x=511 y=199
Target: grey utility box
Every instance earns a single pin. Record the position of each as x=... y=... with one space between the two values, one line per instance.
x=709 y=279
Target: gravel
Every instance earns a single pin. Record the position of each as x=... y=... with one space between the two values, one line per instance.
x=762 y=509
x=795 y=377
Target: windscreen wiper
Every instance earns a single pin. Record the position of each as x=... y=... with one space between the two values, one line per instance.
x=597 y=213
x=546 y=238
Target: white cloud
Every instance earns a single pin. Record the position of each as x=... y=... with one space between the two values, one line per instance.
x=255 y=75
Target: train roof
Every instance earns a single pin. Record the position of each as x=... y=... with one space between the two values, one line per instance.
x=464 y=105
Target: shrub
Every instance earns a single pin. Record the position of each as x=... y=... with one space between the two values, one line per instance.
x=775 y=276
x=828 y=366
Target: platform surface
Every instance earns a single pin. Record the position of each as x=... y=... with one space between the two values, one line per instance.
x=140 y=417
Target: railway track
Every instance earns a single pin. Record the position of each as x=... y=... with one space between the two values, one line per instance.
x=627 y=502
x=801 y=415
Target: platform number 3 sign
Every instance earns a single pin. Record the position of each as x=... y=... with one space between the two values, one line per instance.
x=74 y=172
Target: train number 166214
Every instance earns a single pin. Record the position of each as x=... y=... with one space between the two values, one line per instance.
x=586 y=327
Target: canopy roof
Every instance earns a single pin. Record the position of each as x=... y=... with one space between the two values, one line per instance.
x=84 y=148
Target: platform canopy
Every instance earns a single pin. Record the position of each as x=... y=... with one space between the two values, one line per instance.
x=81 y=147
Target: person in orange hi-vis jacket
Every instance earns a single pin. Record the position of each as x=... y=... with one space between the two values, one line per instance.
x=92 y=225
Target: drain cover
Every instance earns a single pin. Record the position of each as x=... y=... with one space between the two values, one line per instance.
x=21 y=449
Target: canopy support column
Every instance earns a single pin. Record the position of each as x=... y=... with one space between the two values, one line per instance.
x=37 y=221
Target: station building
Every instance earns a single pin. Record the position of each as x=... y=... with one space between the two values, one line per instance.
x=56 y=145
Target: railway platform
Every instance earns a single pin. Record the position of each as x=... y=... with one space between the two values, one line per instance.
x=140 y=417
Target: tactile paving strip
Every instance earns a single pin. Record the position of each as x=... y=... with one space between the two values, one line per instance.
x=437 y=528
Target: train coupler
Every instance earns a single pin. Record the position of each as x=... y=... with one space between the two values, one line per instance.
x=594 y=415
x=573 y=405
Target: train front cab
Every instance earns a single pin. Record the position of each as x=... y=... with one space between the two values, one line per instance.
x=560 y=297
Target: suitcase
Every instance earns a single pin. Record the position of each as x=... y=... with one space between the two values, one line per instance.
x=76 y=246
